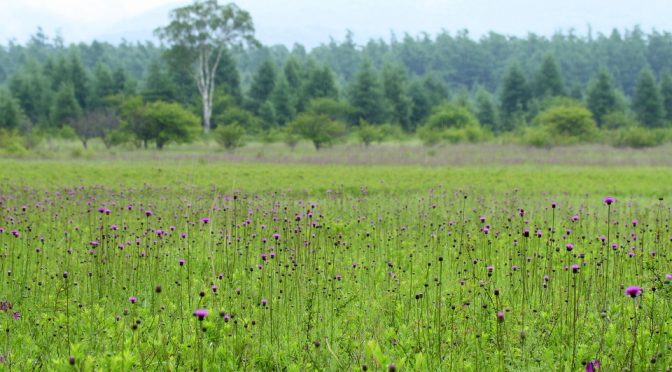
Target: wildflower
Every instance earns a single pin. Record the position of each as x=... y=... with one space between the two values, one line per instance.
x=575 y=268
x=668 y=277
x=592 y=365
x=181 y=261
x=569 y=247
x=133 y=299
x=575 y=218
x=201 y=313
x=205 y=220
x=554 y=205
x=264 y=302
x=609 y=200
x=633 y=291
x=500 y=316
x=17 y=315
x=148 y=213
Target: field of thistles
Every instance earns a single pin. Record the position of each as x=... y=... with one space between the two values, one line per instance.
x=158 y=277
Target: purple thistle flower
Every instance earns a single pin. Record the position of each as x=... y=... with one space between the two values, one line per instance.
x=633 y=291
x=205 y=220
x=592 y=365
x=569 y=247
x=133 y=299
x=609 y=200
x=17 y=315
x=500 y=316
x=264 y=302
x=575 y=268
x=668 y=277
x=15 y=233
x=276 y=236
x=338 y=277
x=554 y=205
x=490 y=268
x=148 y=213
x=201 y=313
x=181 y=261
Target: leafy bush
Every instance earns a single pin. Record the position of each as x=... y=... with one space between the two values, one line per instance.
x=618 y=120
x=568 y=124
x=638 y=137
x=230 y=136
x=318 y=128
x=538 y=137
x=451 y=116
x=368 y=133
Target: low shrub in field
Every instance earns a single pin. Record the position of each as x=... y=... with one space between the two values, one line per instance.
x=230 y=136
x=637 y=137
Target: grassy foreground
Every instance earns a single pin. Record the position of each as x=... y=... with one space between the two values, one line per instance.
x=316 y=180
x=189 y=265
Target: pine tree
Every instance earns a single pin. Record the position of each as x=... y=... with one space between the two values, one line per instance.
x=66 y=107
x=666 y=94
x=158 y=85
x=283 y=101
x=647 y=103
x=548 y=82
x=229 y=77
x=601 y=97
x=486 y=110
x=394 y=86
x=421 y=105
x=262 y=86
x=514 y=97
x=366 y=96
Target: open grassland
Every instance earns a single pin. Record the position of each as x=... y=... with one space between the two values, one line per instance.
x=192 y=264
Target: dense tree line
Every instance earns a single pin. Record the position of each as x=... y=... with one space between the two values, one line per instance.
x=453 y=84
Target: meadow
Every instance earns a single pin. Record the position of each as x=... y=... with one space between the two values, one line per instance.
x=195 y=261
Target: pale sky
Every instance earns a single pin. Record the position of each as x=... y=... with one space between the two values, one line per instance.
x=311 y=22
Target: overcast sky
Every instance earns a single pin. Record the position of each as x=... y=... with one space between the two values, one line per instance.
x=312 y=22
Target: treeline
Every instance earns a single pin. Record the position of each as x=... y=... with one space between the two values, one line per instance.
x=538 y=90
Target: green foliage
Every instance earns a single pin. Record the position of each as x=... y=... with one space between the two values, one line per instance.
x=394 y=87
x=451 y=116
x=230 y=136
x=486 y=110
x=320 y=84
x=568 y=124
x=333 y=109
x=10 y=111
x=368 y=133
x=666 y=96
x=637 y=137
x=549 y=82
x=283 y=101
x=601 y=97
x=244 y=118
x=514 y=97
x=366 y=96
x=318 y=127
x=65 y=109
x=618 y=120
x=202 y=32
x=647 y=102
x=170 y=122
x=158 y=85
x=538 y=137
x=262 y=86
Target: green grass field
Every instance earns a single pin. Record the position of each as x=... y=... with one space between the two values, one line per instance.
x=333 y=266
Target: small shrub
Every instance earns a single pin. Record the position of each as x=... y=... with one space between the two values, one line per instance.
x=230 y=136
x=637 y=137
